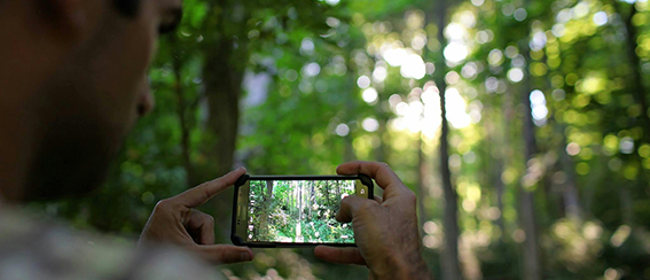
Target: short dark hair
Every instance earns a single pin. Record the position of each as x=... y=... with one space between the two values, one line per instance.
x=128 y=8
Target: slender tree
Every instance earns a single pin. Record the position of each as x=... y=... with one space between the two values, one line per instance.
x=636 y=86
x=527 y=218
x=449 y=261
x=312 y=195
x=301 y=205
x=267 y=201
x=640 y=93
x=421 y=188
x=570 y=195
x=182 y=111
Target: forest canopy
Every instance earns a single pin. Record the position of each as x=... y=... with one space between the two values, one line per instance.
x=523 y=126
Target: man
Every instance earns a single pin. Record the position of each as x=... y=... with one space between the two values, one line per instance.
x=72 y=83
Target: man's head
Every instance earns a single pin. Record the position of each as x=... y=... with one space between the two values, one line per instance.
x=89 y=85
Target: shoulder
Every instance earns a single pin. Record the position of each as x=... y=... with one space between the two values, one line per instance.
x=30 y=249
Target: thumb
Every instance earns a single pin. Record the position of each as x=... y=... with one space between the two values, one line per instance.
x=225 y=254
x=351 y=207
x=339 y=255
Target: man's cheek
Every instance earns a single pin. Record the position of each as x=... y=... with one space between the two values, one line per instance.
x=140 y=42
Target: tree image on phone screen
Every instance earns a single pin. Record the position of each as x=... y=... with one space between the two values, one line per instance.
x=298 y=211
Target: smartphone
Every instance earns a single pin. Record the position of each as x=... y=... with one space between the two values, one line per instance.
x=294 y=211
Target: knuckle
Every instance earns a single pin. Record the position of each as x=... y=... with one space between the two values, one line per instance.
x=204 y=189
x=346 y=201
x=410 y=196
x=163 y=204
x=166 y=206
x=227 y=256
x=222 y=256
x=365 y=208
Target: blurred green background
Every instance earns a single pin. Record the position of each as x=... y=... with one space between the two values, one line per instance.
x=533 y=163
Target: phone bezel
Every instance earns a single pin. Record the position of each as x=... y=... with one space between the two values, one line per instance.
x=365 y=180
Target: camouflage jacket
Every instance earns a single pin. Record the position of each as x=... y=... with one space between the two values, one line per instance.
x=34 y=250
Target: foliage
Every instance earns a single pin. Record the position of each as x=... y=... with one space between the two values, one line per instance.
x=329 y=81
x=298 y=211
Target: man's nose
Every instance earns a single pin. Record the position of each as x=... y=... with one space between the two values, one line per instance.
x=146 y=101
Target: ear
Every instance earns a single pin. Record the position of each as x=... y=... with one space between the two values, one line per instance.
x=75 y=19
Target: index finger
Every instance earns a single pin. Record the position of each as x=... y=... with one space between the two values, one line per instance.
x=197 y=196
x=381 y=172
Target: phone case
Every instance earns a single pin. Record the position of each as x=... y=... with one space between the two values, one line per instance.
x=236 y=240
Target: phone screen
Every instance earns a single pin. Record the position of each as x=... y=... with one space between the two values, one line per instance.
x=298 y=211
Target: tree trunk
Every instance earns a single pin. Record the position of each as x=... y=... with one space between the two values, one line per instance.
x=627 y=210
x=294 y=193
x=498 y=135
x=451 y=268
x=267 y=208
x=312 y=196
x=300 y=214
x=637 y=87
x=640 y=94
x=288 y=202
x=593 y=181
x=500 y=191
x=327 y=191
x=338 y=190
x=532 y=264
x=570 y=196
x=422 y=193
x=182 y=107
x=223 y=89
x=269 y=190
x=449 y=259
x=269 y=196
x=349 y=155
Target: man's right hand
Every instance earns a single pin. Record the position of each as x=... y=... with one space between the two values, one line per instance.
x=385 y=230
x=175 y=221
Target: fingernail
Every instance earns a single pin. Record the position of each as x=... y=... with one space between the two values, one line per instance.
x=246 y=256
